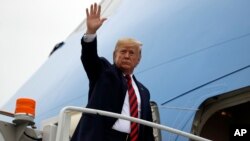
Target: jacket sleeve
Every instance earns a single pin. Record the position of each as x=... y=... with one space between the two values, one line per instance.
x=92 y=63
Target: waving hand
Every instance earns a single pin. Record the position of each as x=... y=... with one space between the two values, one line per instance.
x=94 y=21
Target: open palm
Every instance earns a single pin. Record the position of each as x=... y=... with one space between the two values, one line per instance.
x=94 y=21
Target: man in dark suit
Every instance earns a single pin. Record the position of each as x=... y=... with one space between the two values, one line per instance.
x=112 y=88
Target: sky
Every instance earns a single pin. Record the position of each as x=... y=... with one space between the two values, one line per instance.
x=29 y=29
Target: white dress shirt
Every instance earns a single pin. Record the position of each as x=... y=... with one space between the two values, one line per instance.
x=124 y=125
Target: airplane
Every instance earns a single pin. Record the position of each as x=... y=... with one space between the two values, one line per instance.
x=195 y=63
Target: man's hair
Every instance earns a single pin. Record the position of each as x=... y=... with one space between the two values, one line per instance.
x=128 y=41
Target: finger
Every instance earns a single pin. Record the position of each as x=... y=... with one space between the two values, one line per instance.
x=91 y=9
x=87 y=12
x=103 y=19
x=99 y=11
x=95 y=9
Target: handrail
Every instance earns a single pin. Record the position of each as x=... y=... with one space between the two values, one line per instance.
x=64 y=123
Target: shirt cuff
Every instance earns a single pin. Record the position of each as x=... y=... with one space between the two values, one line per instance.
x=89 y=37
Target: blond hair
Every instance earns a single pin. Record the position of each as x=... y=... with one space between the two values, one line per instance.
x=128 y=41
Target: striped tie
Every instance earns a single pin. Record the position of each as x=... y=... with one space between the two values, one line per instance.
x=133 y=109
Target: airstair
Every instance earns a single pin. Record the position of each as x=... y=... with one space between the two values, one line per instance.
x=22 y=127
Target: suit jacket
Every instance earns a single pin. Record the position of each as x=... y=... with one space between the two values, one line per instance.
x=107 y=90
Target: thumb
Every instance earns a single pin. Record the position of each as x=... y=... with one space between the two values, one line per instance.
x=103 y=19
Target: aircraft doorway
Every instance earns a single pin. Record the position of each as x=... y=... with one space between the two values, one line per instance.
x=217 y=114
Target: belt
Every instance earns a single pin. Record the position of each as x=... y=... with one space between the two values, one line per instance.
x=117 y=135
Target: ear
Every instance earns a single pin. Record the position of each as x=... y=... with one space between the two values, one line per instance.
x=139 y=59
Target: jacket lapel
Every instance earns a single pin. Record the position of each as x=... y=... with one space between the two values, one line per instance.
x=142 y=95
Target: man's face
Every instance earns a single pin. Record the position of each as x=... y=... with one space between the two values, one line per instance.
x=126 y=57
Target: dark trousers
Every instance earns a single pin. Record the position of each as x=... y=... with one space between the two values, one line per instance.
x=114 y=135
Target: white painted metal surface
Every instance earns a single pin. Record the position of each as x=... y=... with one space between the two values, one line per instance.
x=64 y=123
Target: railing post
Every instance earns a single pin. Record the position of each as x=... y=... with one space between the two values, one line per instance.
x=63 y=125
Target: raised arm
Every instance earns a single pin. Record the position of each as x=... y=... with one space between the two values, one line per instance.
x=92 y=63
x=94 y=20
